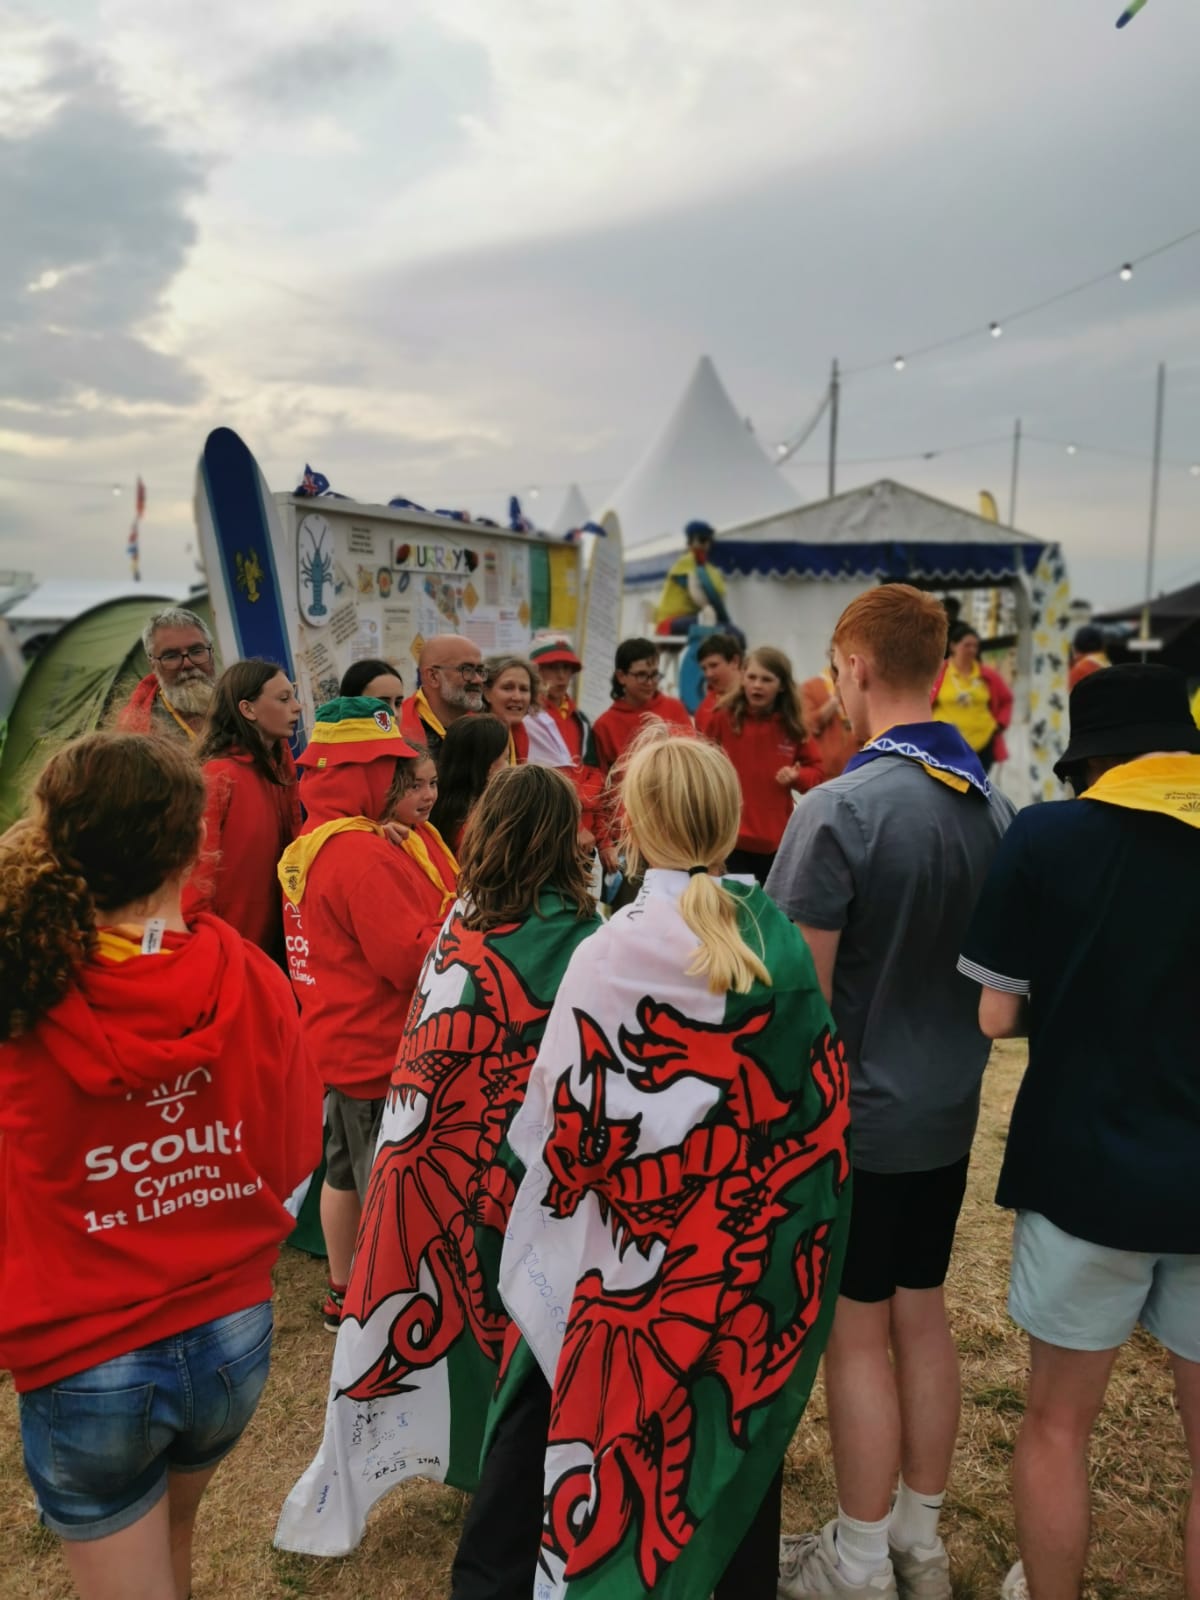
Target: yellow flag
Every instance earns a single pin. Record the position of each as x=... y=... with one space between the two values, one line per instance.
x=987 y=506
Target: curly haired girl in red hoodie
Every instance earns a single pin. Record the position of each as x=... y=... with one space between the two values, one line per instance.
x=157 y=1112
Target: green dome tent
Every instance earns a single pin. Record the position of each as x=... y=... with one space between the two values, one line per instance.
x=78 y=681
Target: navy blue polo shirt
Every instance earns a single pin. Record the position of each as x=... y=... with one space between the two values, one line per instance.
x=1093 y=911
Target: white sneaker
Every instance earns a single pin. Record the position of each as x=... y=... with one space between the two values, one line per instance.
x=1016 y=1585
x=923 y=1573
x=808 y=1569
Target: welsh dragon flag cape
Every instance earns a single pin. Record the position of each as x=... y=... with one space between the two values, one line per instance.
x=416 y=1356
x=673 y=1253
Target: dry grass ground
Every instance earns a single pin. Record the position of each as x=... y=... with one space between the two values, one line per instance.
x=1139 y=1467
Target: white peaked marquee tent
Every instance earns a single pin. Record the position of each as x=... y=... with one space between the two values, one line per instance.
x=705 y=463
x=572 y=514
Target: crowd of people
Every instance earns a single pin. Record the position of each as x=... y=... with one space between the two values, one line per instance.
x=598 y=1193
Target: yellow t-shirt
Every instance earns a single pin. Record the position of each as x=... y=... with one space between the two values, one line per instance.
x=965 y=702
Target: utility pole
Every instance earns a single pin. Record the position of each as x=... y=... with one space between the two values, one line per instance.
x=1016 y=467
x=835 y=389
x=1143 y=643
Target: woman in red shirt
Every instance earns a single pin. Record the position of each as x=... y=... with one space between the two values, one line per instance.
x=253 y=810
x=761 y=729
x=157 y=1114
x=636 y=701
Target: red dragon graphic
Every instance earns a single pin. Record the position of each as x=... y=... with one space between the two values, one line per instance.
x=465 y=1069
x=715 y=1202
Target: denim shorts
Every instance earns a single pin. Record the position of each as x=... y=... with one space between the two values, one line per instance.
x=98 y=1445
x=1081 y=1296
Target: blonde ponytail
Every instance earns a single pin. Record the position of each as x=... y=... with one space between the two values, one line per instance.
x=724 y=957
x=682 y=811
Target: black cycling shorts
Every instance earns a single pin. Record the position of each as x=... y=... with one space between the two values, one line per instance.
x=902 y=1230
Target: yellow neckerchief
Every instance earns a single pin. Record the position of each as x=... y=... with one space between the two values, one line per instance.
x=426 y=713
x=191 y=732
x=512 y=749
x=122 y=943
x=416 y=847
x=959 y=785
x=1168 y=785
x=295 y=864
x=563 y=712
x=1097 y=656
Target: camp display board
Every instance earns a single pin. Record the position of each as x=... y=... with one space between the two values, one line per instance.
x=600 y=625
x=356 y=581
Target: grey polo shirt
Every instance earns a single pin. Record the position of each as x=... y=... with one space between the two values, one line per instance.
x=895 y=861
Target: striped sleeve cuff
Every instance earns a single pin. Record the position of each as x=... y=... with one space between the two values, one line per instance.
x=992 y=980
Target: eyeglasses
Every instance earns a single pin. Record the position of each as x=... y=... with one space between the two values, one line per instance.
x=468 y=669
x=645 y=677
x=197 y=654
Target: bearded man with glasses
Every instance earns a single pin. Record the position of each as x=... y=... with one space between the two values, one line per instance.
x=173 y=698
x=451 y=680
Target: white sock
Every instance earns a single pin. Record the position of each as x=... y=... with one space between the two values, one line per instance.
x=914 y=1520
x=862 y=1547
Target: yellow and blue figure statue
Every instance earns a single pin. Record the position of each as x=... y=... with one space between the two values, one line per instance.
x=693 y=603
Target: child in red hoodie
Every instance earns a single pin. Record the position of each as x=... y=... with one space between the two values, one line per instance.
x=360 y=913
x=157 y=1114
x=761 y=729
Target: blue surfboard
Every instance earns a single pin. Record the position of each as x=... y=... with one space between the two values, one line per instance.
x=241 y=533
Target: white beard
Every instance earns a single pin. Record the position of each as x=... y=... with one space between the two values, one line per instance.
x=191 y=696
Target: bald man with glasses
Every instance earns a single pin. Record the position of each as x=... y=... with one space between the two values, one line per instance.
x=452 y=677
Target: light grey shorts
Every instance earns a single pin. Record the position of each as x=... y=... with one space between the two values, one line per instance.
x=1081 y=1296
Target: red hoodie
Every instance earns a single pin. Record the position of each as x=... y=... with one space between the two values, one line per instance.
x=249 y=823
x=757 y=752
x=359 y=935
x=153 y=1124
x=615 y=729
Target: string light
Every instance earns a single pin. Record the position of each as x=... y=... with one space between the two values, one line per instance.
x=1072 y=449
x=1125 y=272
x=995 y=329
x=1194 y=469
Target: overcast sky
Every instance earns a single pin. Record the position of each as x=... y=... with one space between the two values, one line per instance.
x=453 y=249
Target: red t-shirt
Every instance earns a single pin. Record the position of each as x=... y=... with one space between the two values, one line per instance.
x=250 y=822
x=758 y=751
x=704 y=712
x=615 y=729
x=153 y=1123
x=356 y=942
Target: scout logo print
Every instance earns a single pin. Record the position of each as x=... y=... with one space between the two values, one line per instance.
x=171 y=1100
x=716 y=1201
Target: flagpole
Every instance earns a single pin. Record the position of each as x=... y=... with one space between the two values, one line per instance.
x=1016 y=467
x=1160 y=396
x=835 y=390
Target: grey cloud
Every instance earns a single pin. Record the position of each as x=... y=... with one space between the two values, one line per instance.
x=325 y=68
x=94 y=193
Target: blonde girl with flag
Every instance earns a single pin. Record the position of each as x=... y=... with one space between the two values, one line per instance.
x=673 y=1253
